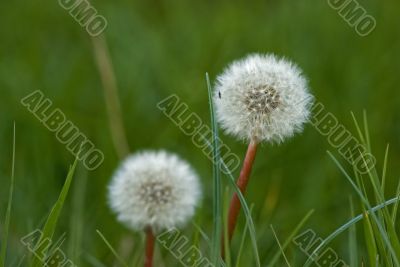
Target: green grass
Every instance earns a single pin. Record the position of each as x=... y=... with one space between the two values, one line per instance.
x=217 y=206
x=3 y=252
x=158 y=48
x=50 y=225
x=381 y=237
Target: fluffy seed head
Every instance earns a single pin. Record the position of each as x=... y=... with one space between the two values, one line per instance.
x=154 y=188
x=262 y=98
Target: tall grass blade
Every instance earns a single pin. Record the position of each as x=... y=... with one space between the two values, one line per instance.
x=244 y=205
x=77 y=223
x=245 y=208
x=369 y=238
x=366 y=131
x=217 y=207
x=382 y=251
x=353 y=239
x=394 y=212
x=247 y=214
x=227 y=250
x=51 y=223
x=368 y=231
x=358 y=128
x=3 y=253
x=244 y=235
x=384 y=169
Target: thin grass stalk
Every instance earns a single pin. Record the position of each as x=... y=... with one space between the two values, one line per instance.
x=113 y=251
x=217 y=207
x=111 y=98
x=3 y=252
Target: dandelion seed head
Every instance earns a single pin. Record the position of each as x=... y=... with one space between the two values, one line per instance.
x=264 y=98
x=156 y=189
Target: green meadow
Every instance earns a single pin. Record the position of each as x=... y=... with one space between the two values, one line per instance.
x=109 y=86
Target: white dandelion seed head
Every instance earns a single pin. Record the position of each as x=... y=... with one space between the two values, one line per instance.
x=156 y=189
x=262 y=98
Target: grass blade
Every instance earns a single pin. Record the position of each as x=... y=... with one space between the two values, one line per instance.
x=382 y=251
x=202 y=234
x=120 y=260
x=77 y=223
x=227 y=250
x=3 y=253
x=279 y=244
x=290 y=238
x=366 y=131
x=217 y=207
x=244 y=235
x=358 y=128
x=384 y=169
x=51 y=223
x=394 y=212
x=245 y=208
x=369 y=238
x=247 y=213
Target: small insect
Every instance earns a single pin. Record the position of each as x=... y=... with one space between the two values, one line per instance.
x=219 y=94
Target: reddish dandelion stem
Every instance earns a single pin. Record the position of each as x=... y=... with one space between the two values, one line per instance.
x=234 y=207
x=149 y=247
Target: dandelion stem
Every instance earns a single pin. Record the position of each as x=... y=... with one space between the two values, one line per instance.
x=234 y=207
x=149 y=247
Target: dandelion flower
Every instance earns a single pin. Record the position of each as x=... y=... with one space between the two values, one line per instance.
x=262 y=98
x=154 y=189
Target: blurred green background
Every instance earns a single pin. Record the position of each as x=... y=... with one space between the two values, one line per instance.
x=161 y=47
